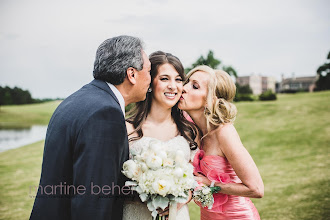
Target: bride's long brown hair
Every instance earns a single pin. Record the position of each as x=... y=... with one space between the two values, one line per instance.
x=139 y=112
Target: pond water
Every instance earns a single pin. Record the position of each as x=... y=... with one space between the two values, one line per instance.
x=14 y=138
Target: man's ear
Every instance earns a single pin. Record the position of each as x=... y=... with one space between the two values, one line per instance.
x=131 y=75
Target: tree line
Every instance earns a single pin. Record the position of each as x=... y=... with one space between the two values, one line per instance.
x=17 y=96
x=14 y=96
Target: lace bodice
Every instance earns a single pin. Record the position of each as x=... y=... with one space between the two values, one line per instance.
x=174 y=144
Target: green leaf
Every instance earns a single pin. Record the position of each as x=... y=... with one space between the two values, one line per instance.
x=150 y=206
x=161 y=202
x=180 y=199
x=131 y=183
x=143 y=197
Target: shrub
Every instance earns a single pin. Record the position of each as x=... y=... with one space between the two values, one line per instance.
x=268 y=95
x=243 y=97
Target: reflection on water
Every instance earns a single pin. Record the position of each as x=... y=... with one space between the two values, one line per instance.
x=14 y=138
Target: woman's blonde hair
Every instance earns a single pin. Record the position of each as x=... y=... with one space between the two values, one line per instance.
x=220 y=95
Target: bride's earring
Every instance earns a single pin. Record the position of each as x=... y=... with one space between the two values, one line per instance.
x=150 y=89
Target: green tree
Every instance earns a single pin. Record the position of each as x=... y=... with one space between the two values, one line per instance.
x=323 y=83
x=7 y=99
x=212 y=62
x=230 y=70
x=15 y=96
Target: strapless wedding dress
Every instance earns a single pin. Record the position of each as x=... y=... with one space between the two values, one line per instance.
x=136 y=209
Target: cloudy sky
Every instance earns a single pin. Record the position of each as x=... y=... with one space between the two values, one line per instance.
x=48 y=47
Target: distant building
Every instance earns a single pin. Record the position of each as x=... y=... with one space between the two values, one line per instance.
x=268 y=83
x=307 y=83
x=257 y=83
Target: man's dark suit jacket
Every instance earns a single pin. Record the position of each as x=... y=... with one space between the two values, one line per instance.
x=86 y=143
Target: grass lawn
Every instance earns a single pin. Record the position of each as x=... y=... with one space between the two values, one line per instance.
x=18 y=116
x=19 y=169
x=289 y=140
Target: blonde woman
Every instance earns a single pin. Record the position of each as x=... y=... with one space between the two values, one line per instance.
x=222 y=159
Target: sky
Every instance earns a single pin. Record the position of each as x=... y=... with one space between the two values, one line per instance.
x=48 y=47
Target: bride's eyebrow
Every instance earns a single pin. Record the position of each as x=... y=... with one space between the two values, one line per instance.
x=162 y=75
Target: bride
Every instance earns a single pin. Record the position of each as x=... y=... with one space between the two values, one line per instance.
x=158 y=117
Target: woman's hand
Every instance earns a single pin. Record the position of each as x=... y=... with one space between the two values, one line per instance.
x=164 y=212
x=202 y=179
x=180 y=205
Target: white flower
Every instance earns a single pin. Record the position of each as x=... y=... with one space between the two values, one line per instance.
x=129 y=168
x=161 y=187
x=168 y=162
x=162 y=154
x=206 y=190
x=146 y=154
x=144 y=167
x=138 y=157
x=157 y=172
x=154 y=162
x=179 y=157
x=178 y=172
x=137 y=172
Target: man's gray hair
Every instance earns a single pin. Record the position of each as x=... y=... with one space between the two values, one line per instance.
x=115 y=55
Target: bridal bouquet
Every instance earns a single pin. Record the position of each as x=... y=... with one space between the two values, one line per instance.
x=160 y=177
x=204 y=195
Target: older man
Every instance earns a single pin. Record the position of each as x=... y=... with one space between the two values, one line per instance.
x=86 y=142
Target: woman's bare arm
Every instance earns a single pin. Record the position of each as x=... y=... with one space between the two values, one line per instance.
x=243 y=164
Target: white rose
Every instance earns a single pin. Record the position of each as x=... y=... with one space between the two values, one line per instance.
x=137 y=172
x=154 y=162
x=129 y=168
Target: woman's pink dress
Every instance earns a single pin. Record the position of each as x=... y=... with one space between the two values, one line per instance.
x=218 y=169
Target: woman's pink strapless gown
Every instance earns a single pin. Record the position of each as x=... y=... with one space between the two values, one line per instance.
x=218 y=169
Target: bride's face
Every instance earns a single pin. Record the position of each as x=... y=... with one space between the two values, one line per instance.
x=167 y=86
x=194 y=92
